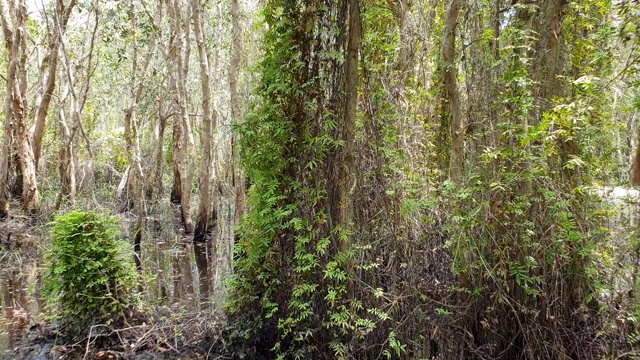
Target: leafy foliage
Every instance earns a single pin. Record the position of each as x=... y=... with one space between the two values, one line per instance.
x=90 y=273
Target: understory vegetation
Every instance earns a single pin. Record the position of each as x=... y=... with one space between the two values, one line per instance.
x=91 y=275
x=325 y=179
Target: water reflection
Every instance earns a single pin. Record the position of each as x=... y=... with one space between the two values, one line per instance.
x=169 y=278
x=18 y=307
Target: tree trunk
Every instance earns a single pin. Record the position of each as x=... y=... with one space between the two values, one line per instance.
x=154 y=185
x=30 y=194
x=549 y=57
x=15 y=178
x=48 y=70
x=14 y=19
x=66 y=165
x=183 y=138
x=456 y=154
x=347 y=177
x=4 y=162
x=635 y=170
x=206 y=218
x=238 y=179
x=299 y=223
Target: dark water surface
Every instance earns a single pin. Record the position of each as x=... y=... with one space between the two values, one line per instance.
x=169 y=277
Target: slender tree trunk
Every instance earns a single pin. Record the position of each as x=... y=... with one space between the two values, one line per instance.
x=238 y=179
x=178 y=141
x=132 y=133
x=48 y=70
x=154 y=185
x=183 y=137
x=66 y=165
x=30 y=194
x=456 y=154
x=14 y=19
x=635 y=171
x=4 y=162
x=347 y=177
x=496 y=29
x=206 y=218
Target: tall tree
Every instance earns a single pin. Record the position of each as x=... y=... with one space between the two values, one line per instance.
x=238 y=179
x=14 y=22
x=183 y=143
x=48 y=70
x=66 y=165
x=456 y=157
x=28 y=141
x=298 y=151
x=206 y=218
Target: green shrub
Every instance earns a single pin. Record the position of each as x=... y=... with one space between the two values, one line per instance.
x=90 y=276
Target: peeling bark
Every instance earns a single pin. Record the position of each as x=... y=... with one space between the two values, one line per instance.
x=4 y=165
x=183 y=146
x=205 y=220
x=14 y=20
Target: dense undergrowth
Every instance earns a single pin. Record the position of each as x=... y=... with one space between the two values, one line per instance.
x=515 y=259
x=512 y=262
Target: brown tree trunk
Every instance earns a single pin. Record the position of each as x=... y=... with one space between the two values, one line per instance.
x=132 y=127
x=347 y=177
x=238 y=180
x=15 y=177
x=4 y=163
x=14 y=18
x=30 y=194
x=48 y=70
x=66 y=165
x=154 y=184
x=206 y=218
x=549 y=57
x=635 y=171
x=183 y=138
x=456 y=154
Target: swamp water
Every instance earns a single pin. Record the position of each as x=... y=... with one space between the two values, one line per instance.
x=169 y=277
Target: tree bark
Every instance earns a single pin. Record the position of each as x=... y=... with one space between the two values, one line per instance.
x=347 y=177
x=550 y=54
x=310 y=94
x=154 y=185
x=456 y=154
x=7 y=141
x=66 y=164
x=635 y=171
x=238 y=178
x=206 y=218
x=48 y=70
x=183 y=138
x=14 y=20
